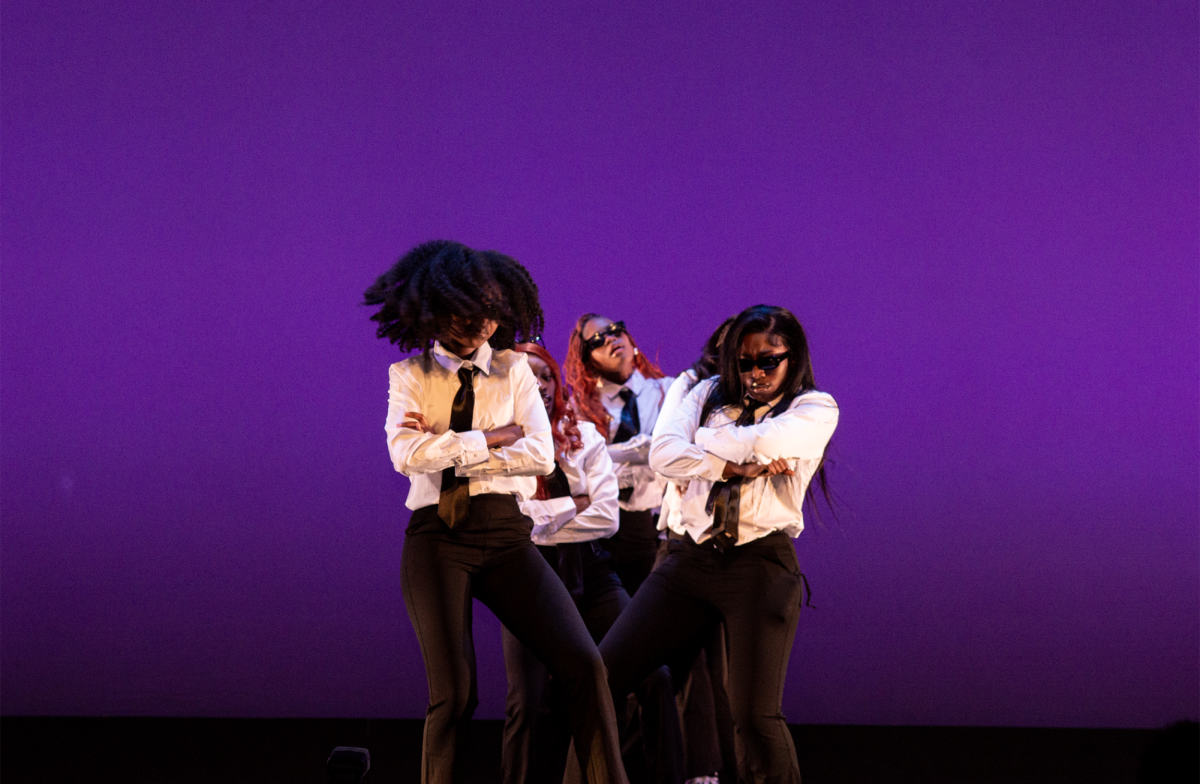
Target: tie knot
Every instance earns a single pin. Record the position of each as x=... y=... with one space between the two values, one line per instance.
x=625 y=394
x=465 y=374
x=750 y=406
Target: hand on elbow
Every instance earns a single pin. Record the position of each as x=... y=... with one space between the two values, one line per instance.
x=776 y=467
x=504 y=436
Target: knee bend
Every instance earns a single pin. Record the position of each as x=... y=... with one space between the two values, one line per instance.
x=456 y=705
x=581 y=665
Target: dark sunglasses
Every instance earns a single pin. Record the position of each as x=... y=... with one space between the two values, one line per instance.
x=765 y=364
x=601 y=337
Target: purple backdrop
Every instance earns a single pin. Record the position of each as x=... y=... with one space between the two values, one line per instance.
x=986 y=215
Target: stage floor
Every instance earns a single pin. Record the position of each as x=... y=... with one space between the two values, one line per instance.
x=264 y=751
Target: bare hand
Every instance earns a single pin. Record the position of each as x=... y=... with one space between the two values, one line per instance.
x=416 y=421
x=779 y=466
x=504 y=436
x=581 y=502
x=748 y=470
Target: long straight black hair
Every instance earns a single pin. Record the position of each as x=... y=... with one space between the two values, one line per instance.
x=729 y=390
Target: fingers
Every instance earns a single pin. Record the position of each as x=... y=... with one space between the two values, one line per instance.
x=417 y=421
x=778 y=467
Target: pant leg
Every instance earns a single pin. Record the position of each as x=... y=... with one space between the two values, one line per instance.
x=435 y=578
x=634 y=547
x=760 y=602
x=526 y=714
x=718 y=670
x=529 y=599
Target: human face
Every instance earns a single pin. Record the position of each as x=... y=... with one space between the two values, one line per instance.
x=461 y=341
x=763 y=385
x=613 y=360
x=547 y=386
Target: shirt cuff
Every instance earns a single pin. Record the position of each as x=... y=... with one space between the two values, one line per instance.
x=474 y=448
x=713 y=467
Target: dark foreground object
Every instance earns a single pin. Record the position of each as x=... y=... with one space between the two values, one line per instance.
x=296 y=751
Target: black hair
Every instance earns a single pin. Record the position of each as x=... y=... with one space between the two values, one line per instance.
x=709 y=364
x=441 y=279
x=729 y=391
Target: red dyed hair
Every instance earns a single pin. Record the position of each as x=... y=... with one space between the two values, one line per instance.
x=563 y=425
x=564 y=428
x=585 y=381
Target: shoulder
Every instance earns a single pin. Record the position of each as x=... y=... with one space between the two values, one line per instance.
x=666 y=382
x=588 y=433
x=412 y=369
x=508 y=361
x=816 y=401
x=702 y=389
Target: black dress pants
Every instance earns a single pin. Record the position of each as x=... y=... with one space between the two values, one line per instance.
x=755 y=589
x=634 y=547
x=490 y=557
x=534 y=742
x=535 y=739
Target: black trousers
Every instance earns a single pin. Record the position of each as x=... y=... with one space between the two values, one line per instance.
x=490 y=557
x=755 y=589
x=535 y=739
x=634 y=547
x=704 y=715
x=535 y=744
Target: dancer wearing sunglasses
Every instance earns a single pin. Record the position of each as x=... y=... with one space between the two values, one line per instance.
x=614 y=386
x=572 y=509
x=466 y=425
x=749 y=442
x=618 y=389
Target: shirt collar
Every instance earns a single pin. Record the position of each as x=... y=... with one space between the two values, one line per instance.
x=452 y=362
x=610 y=391
x=764 y=407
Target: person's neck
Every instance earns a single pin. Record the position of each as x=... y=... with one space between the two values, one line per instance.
x=460 y=351
x=616 y=378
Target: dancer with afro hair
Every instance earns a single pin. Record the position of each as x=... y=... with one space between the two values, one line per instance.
x=466 y=425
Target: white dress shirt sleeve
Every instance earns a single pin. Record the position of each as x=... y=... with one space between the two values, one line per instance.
x=555 y=520
x=678 y=390
x=531 y=455
x=414 y=452
x=602 y=515
x=673 y=453
x=635 y=451
x=548 y=516
x=800 y=432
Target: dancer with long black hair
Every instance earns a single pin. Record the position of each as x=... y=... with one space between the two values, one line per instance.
x=465 y=423
x=749 y=442
x=573 y=508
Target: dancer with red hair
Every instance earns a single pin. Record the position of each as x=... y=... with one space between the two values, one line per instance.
x=618 y=389
x=573 y=509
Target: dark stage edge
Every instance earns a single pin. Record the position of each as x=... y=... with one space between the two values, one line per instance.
x=230 y=751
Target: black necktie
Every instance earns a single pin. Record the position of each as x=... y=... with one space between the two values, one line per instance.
x=630 y=426
x=570 y=557
x=454 y=504
x=724 y=500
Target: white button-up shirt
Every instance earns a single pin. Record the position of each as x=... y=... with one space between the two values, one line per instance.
x=632 y=457
x=684 y=450
x=506 y=393
x=589 y=472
